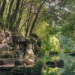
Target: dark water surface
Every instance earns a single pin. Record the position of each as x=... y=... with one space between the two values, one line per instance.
x=5 y=72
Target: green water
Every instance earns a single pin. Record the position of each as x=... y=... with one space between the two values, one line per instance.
x=5 y=72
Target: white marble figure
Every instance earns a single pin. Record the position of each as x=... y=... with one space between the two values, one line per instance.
x=29 y=56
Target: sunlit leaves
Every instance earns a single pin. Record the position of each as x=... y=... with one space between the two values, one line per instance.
x=54 y=43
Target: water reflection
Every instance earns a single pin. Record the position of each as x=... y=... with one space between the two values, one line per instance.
x=5 y=72
x=67 y=61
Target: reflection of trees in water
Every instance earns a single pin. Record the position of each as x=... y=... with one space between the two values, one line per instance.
x=69 y=65
x=5 y=73
x=69 y=69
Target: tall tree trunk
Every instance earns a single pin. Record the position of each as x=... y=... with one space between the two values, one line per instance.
x=29 y=18
x=9 y=13
x=2 y=8
x=0 y=4
x=14 y=15
x=36 y=17
x=22 y=7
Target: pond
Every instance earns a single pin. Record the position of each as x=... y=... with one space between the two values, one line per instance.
x=5 y=72
x=66 y=57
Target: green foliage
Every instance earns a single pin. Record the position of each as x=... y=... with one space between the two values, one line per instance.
x=55 y=25
x=68 y=29
x=66 y=43
x=54 y=43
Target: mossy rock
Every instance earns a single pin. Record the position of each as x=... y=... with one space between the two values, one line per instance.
x=7 y=54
